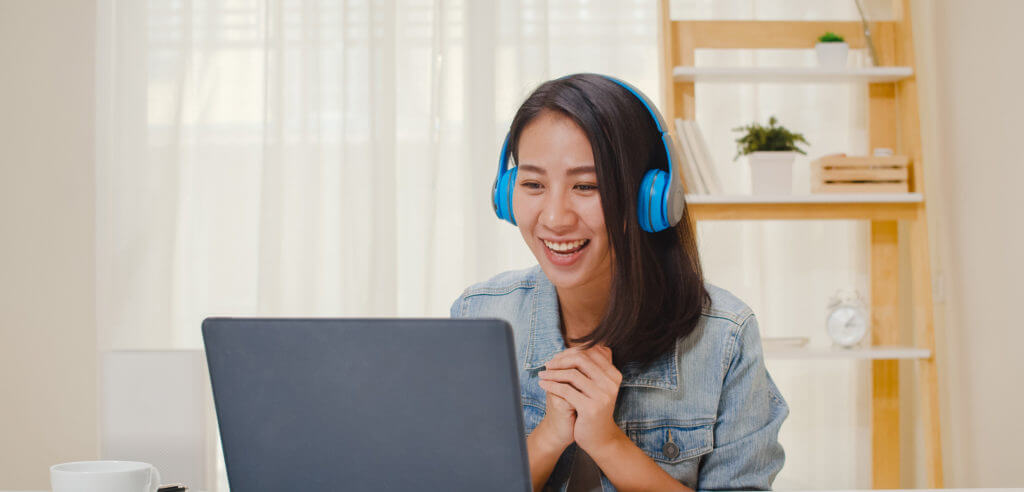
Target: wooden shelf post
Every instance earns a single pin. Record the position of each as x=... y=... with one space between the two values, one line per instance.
x=885 y=374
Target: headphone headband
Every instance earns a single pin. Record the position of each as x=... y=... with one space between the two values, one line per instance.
x=661 y=201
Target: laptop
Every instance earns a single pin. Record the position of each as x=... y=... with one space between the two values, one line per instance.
x=367 y=404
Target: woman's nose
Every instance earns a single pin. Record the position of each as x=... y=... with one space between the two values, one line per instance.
x=558 y=214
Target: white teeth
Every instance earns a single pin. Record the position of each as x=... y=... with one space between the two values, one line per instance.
x=565 y=246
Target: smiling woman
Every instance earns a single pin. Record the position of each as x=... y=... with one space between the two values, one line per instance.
x=635 y=374
x=577 y=172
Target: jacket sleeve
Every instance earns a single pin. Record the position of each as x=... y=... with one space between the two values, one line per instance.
x=747 y=454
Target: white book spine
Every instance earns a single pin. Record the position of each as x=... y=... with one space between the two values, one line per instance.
x=693 y=178
x=694 y=156
x=705 y=161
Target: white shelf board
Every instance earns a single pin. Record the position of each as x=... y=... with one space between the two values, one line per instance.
x=811 y=198
x=799 y=75
x=836 y=353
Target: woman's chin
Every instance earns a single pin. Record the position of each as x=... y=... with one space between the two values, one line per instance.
x=563 y=280
x=568 y=271
x=566 y=277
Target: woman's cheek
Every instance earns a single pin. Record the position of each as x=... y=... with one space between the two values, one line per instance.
x=521 y=209
x=594 y=214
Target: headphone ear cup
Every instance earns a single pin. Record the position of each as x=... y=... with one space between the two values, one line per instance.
x=496 y=195
x=653 y=199
x=499 y=196
x=643 y=209
x=503 y=195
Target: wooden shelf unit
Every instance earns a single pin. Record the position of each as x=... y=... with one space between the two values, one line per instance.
x=893 y=123
x=831 y=353
x=790 y=75
x=904 y=206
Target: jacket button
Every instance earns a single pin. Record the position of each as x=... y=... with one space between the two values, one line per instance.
x=670 y=450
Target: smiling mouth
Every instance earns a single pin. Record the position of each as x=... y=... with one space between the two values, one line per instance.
x=566 y=248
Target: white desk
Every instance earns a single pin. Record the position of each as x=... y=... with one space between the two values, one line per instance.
x=1019 y=489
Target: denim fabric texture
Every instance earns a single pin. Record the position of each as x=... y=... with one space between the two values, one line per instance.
x=707 y=412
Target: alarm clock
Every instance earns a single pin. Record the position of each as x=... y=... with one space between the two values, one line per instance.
x=846 y=319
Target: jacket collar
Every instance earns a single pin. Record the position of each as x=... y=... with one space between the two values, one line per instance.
x=545 y=340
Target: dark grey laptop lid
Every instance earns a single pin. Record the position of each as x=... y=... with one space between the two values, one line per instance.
x=367 y=404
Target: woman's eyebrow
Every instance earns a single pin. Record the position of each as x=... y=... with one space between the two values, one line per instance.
x=572 y=171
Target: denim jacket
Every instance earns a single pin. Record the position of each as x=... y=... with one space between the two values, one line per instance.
x=707 y=412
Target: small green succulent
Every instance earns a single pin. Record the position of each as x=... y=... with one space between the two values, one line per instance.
x=830 y=37
x=767 y=138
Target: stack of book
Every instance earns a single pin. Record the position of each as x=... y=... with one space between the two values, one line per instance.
x=697 y=166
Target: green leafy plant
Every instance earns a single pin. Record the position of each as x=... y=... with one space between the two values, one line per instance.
x=760 y=138
x=830 y=37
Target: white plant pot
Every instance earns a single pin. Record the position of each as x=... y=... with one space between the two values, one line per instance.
x=832 y=55
x=771 y=173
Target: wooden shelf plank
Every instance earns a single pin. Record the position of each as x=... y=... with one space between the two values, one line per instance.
x=770 y=34
x=836 y=353
x=884 y=206
x=789 y=75
x=812 y=198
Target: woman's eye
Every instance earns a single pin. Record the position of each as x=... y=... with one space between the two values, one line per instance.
x=586 y=187
x=530 y=184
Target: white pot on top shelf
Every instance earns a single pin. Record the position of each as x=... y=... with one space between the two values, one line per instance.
x=832 y=51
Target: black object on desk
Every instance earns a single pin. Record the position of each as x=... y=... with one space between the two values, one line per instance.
x=367 y=404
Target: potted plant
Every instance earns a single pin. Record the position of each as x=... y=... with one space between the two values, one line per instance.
x=770 y=150
x=832 y=50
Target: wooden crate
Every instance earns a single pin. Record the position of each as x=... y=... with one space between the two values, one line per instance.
x=840 y=173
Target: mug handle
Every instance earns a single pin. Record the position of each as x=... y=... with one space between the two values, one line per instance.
x=154 y=479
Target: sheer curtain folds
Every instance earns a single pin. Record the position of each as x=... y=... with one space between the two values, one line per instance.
x=320 y=158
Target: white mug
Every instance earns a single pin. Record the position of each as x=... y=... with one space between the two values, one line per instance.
x=104 y=476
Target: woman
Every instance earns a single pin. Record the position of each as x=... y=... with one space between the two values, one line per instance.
x=635 y=374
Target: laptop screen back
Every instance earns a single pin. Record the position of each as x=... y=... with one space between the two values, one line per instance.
x=367 y=404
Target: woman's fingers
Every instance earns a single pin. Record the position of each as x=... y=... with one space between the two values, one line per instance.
x=567 y=392
x=573 y=357
x=560 y=402
x=591 y=367
x=557 y=404
x=573 y=376
x=602 y=357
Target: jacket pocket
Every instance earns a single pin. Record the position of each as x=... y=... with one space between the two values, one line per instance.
x=533 y=412
x=671 y=442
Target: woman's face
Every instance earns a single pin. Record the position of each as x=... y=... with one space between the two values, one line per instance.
x=557 y=205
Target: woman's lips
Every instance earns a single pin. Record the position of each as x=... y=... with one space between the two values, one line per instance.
x=565 y=258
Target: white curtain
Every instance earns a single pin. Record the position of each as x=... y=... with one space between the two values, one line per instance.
x=320 y=157
x=335 y=158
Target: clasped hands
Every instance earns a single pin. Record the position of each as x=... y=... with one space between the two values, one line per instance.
x=582 y=387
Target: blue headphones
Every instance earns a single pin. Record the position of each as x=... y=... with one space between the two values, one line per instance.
x=661 y=200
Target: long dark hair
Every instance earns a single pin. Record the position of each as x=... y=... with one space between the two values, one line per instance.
x=657 y=291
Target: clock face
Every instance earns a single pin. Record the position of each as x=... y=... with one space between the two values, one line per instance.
x=847 y=325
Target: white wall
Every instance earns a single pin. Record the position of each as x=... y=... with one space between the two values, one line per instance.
x=970 y=72
x=48 y=401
